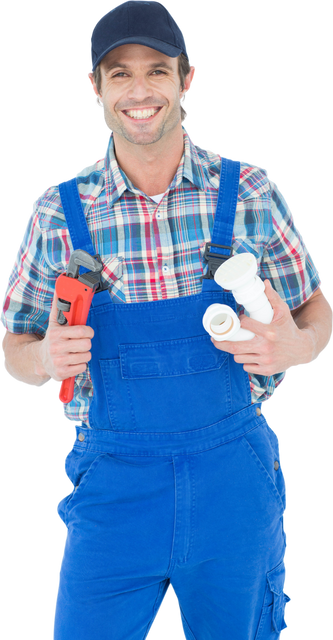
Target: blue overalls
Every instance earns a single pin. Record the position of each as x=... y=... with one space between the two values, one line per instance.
x=177 y=479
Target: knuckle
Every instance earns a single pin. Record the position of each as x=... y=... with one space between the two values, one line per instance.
x=53 y=348
x=267 y=348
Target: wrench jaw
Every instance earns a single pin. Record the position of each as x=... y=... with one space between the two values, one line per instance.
x=80 y=258
x=92 y=279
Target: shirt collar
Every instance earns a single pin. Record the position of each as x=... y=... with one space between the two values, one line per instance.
x=190 y=168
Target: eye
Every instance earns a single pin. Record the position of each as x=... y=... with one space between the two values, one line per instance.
x=121 y=73
x=158 y=72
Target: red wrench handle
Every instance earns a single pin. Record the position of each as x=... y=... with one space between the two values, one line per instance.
x=79 y=295
x=67 y=390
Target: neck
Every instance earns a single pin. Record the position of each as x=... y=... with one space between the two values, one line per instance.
x=150 y=167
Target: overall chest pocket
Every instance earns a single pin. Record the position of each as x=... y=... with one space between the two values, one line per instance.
x=167 y=386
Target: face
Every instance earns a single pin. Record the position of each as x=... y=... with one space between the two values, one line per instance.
x=141 y=93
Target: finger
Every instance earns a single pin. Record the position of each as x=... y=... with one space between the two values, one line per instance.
x=258 y=328
x=225 y=345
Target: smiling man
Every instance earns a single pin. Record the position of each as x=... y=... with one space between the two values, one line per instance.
x=141 y=91
x=177 y=477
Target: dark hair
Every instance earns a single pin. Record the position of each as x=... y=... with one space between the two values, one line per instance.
x=184 y=69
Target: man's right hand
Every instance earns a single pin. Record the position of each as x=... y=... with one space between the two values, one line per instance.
x=64 y=351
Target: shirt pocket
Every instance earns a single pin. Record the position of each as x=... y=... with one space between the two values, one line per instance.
x=112 y=274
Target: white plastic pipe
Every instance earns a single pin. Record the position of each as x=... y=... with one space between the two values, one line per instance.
x=238 y=275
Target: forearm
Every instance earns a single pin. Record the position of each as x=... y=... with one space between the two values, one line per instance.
x=314 y=318
x=22 y=358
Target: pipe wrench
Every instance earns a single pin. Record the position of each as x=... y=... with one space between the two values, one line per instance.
x=75 y=292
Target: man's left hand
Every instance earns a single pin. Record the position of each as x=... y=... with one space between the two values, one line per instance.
x=276 y=346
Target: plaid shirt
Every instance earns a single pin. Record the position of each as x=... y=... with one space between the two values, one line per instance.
x=151 y=251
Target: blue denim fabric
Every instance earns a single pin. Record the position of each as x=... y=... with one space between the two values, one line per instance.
x=175 y=480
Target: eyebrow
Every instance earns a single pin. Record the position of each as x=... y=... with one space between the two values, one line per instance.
x=156 y=65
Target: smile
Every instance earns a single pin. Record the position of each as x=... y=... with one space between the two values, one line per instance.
x=142 y=114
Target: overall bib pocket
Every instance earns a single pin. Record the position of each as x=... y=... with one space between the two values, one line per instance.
x=149 y=386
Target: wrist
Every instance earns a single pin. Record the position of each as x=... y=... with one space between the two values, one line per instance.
x=309 y=341
x=38 y=363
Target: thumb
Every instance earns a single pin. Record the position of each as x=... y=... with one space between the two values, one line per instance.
x=278 y=305
x=54 y=310
x=270 y=292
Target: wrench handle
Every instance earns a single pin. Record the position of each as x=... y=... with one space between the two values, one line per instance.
x=79 y=295
x=66 y=391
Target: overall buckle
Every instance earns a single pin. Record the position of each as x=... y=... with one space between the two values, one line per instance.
x=214 y=259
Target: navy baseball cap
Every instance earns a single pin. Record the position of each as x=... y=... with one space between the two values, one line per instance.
x=147 y=23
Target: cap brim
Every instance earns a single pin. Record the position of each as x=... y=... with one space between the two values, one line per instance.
x=168 y=49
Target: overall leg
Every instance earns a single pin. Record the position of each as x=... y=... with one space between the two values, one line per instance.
x=230 y=581
x=120 y=528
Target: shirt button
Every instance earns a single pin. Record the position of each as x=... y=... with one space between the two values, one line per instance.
x=276 y=465
x=258 y=411
x=158 y=216
x=165 y=269
x=81 y=437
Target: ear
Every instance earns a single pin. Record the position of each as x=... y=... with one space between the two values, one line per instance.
x=187 y=81
x=90 y=79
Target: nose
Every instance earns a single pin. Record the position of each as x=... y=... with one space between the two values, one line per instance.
x=140 y=89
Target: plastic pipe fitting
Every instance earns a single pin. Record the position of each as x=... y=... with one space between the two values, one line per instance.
x=238 y=275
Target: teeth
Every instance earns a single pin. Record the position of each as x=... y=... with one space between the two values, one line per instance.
x=139 y=114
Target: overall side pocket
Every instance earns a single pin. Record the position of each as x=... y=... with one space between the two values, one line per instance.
x=79 y=466
x=262 y=447
x=272 y=619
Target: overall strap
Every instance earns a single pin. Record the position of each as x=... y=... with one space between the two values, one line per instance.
x=224 y=214
x=223 y=223
x=78 y=228
x=75 y=218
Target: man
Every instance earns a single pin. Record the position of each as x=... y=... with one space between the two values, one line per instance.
x=177 y=476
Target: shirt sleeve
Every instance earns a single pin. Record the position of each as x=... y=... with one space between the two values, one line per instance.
x=31 y=285
x=285 y=260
